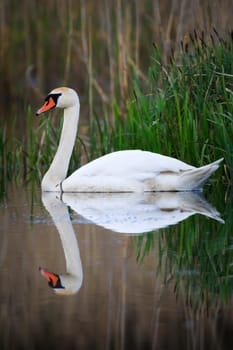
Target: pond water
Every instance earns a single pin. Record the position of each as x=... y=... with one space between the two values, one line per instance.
x=130 y=271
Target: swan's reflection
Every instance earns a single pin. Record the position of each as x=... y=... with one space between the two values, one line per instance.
x=136 y=213
x=71 y=281
x=126 y=213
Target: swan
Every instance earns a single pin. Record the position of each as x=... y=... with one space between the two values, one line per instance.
x=69 y=282
x=121 y=171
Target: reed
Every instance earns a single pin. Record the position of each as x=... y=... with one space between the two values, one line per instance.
x=183 y=109
x=27 y=159
x=54 y=38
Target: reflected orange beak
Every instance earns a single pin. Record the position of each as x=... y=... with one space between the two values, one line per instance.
x=51 y=277
x=46 y=106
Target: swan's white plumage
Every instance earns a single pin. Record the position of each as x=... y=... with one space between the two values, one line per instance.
x=122 y=171
x=129 y=170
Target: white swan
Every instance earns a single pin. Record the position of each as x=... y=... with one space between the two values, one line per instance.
x=122 y=171
x=70 y=282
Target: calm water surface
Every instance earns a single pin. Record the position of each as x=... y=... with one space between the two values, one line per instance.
x=169 y=289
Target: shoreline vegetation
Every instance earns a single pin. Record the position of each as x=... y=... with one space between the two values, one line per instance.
x=173 y=97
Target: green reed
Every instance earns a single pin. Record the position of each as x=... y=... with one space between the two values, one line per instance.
x=184 y=110
x=27 y=158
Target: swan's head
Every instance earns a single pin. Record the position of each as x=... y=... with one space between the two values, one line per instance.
x=62 y=97
x=67 y=284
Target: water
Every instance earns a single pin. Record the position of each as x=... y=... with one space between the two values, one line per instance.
x=169 y=289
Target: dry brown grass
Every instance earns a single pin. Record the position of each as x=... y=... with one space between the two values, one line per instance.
x=95 y=46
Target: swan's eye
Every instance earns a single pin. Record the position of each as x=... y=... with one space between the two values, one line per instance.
x=54 y=97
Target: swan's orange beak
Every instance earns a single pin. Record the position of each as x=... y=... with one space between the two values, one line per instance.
x=51 y=277
x=46 y=106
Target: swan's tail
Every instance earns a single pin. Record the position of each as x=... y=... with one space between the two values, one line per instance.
x=195 y=178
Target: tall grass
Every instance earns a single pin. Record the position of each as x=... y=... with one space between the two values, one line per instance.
x=94 y=45
x=183 y=109
x=27 y=159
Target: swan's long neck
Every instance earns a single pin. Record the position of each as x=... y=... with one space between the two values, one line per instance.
x=58 y=169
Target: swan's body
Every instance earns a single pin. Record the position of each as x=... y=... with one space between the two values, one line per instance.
x=122 y=171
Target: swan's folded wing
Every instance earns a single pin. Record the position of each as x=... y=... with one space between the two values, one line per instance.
x=130 y=162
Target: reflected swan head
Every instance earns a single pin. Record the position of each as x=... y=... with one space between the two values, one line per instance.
x=66 y=284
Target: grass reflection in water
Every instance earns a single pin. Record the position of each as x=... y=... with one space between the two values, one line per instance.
x=196 y=257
